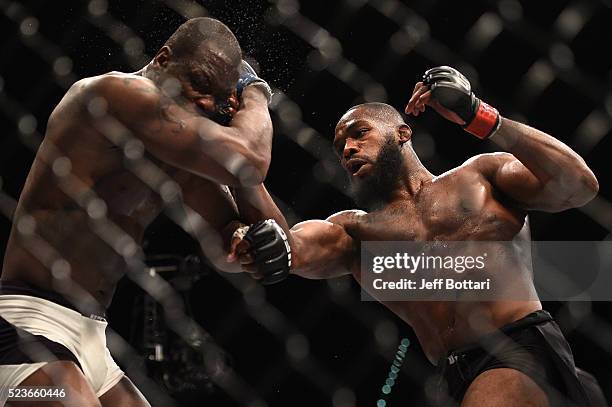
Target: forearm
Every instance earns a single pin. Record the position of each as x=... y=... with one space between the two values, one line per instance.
x=253 y=123
x=255 y=204
x=216 y=153
x=236 y=155
x=181 y=136
x=560 y=170
x=320 y=249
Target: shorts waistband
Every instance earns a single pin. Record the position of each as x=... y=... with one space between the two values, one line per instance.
x=535 y=318
x=11 y=287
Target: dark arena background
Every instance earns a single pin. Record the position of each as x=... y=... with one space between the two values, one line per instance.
x=304 y=342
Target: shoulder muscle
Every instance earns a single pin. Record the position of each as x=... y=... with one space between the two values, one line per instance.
x=490 y=163
x=346 y=217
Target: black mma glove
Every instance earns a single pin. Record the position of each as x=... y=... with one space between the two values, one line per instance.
x=454 y=92
x=270 y=249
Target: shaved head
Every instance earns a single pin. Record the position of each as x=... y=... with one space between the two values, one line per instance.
x=381 y=112
x=204 y=34
x=207 y=54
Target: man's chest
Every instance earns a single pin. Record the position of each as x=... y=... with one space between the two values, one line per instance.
x=469 y=214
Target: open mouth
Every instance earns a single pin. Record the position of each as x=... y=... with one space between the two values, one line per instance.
x=355 y=165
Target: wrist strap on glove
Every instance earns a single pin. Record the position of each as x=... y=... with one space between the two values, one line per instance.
x=248 y=77
x=449 y=87
x=485 y=121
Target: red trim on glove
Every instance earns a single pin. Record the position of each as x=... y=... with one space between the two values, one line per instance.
x=485 y=121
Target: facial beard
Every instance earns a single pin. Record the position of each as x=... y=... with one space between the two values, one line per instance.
x=376 y=188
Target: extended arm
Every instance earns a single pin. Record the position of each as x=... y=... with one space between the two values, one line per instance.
x=323 y=249
x=320 y=248
x=235 y=155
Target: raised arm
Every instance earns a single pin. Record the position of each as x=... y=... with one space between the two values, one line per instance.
x=235 y=155
x=319 y=248
x=540 y=172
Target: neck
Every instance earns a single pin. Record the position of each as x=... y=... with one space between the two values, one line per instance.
x=149 y=72
x=413 y=176
x=158 y=77
x=407 y=184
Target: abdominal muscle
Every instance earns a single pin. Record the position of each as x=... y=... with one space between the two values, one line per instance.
x=69 y=235
x=442 y=326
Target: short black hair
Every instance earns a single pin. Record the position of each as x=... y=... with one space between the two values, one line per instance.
x=206 y=48
x=382 y=111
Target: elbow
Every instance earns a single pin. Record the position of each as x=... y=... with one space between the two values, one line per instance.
x=256 y=169
x=248 y=165
x=258 y=155
x=251 y=180
x=261 y=164
x=587 y=186
x=582 y=190
x=253 y=172
x=587 y=189
x=561 y=194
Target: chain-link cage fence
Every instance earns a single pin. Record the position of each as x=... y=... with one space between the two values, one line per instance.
x=188 y=335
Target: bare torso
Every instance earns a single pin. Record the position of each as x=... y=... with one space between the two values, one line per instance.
x=457 y=206
x=68 y=211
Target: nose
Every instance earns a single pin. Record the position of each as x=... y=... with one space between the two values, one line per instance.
x=350 y=148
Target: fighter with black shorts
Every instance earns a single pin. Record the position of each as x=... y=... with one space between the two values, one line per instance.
x=506 y=352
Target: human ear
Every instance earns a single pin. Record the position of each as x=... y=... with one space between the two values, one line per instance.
x=163 y=56
x=404 y=133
